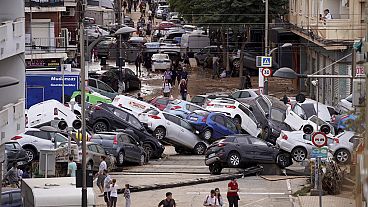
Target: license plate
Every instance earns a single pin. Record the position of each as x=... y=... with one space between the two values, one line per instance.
x=193 y=118
x=211 y=155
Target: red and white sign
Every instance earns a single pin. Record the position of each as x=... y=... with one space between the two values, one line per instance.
x=266 y=72
x=360 y=71
x=319 y=139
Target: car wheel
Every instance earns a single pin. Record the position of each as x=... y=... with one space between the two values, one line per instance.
x=30 y=154
x=233 y=159
x=100 y=126
x=342 y=156
x=121 y=158
x=207 y=134
x=90 y=165
x=215 y=169
x=283 y=160
x=148 y=149
x=237 y=120
x=299 y=154
x=200 y=148
x=159 y=133
x=142 y=160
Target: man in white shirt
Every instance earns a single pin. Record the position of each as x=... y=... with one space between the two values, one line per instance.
x=107 y=181
x=100 y=174
x=211 y=200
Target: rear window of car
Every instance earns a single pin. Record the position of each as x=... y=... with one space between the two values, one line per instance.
x=198 y=99
x=151 y=111
x=162 y=101
x=103 y=136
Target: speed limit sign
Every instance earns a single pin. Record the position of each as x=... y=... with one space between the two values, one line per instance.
x=266 y=72
x=319 y=139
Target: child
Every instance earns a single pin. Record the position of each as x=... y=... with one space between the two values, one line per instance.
x=113 y=193
x=127 y=195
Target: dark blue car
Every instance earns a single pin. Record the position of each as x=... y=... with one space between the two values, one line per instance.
x=212 y=125
x=11 y=197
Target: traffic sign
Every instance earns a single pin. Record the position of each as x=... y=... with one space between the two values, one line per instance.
x=360 y=71
x=319 y=139
x=263 y=62
x=319 y=152
x=266 y=72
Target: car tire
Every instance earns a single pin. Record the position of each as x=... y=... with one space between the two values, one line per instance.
x=215 y=169
x=100 y=126
x=142 y=160
x=342 y=156
x=299 y=154
x=282 y=160
x=233 y=159
x=199 y=148
x=30 y=154
x=159 y=133
x=120 y=158
x=148 y=149
x=207 y=134
x=90 y=165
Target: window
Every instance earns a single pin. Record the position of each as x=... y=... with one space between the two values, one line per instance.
x=236 y=94
x=126 y=139
x=198 y=99
x=92 y=83
x=242 y=140
x=248 y=112
x=220 y=120
x=263 y=105
x=42 y=135
x=299 y=111
x=103 y=86
x=191 y=107
x=257 y=142
x=100 y=149
x=172 y=118
x=230 y=125
x=245 y=94
x=185 y=124
x=278 y=115
x=92 y=148
x=309 y=110
x=230 y=139
x=121 y=114
x=134 y=121
x=12 y=146
x=60 y=138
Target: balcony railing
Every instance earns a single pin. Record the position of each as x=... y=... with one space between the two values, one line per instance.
x=43 y=3
x=44 y=45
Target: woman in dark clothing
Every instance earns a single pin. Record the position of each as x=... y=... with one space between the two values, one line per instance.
x=183 y=89
x=173 y=77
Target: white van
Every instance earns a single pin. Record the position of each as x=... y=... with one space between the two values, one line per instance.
x=43 y=113
x=131 y=104
x=57 y=192
x=191 y=43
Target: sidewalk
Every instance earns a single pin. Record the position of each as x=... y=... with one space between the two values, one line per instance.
x=327 y=201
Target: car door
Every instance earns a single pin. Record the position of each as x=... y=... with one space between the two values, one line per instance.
x=219 y=128
x=173 y=127
x=295 y=117
x=42 y=140
x=135 y=150
x=132 y=120
x=249 y=122
x=244 y=148
x=186 y=135
x=261 y=151
x=94 y=155
x=120 y=121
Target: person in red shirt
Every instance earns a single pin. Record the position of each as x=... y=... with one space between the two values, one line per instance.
x=232 y=193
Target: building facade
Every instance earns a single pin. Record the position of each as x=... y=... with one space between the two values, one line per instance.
x=12 y=67
x=327 y=30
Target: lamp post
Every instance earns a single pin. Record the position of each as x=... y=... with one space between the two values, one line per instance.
x=265 y=80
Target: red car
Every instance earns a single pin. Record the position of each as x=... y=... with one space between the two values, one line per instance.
x=160 y=102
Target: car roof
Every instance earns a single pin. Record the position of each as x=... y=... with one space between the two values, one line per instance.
x=32 y=129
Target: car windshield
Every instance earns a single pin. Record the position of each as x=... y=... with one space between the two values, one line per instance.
x=278 y=114
x=198 y=99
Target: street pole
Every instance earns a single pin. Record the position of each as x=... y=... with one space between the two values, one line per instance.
x=83 y=104
x=261 y=78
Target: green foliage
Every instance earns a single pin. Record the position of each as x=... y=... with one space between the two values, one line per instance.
x=204 y=12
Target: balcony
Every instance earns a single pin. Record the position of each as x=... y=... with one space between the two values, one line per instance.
x=48 y=45
x=12 y=120
x=12 y=40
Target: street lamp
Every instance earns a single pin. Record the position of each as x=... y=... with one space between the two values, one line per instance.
x=289 y=73
x=283 y=46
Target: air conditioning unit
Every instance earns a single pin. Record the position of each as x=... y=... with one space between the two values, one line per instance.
x=65 y=35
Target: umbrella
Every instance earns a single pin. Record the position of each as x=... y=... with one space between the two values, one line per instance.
x=125 y=30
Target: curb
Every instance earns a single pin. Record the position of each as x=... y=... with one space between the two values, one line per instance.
x=182 y=183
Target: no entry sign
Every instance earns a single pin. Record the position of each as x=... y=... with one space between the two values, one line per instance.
x=319 y=139
x=266 y=72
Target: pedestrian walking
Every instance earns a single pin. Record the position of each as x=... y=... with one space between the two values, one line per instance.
x=138 y=64
x=139 y=97
x=127 y=195
x=125 y=5
x=167 y=75
x=12 y=176
x=173 y=77
x=178 y=74
x=183 y=89
x=72 y=167
x=107 y=191
x=211 y=200
x=168 y=201
x=135 y=2
x=166 y=88
x=184 y=74
x=232 y=193
x=100 y=174
x=219 y=197
x=149 y=28
x=215 y=67
x=113 y=193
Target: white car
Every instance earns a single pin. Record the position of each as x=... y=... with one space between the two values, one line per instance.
x=343 y=147
x=174 y=130
x=43 y=113
x=244 y=95
x=240 y=112
x=345 y=105
x=313 y=121
x=131 y=104
x=160 y=10
x=160 y=62
x=34 y=140
x=298 y=113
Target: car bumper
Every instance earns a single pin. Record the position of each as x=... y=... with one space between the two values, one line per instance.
x=212 y=160
x=284 y=145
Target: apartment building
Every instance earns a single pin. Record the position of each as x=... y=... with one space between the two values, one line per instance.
x=12 y=69
x=327 y=30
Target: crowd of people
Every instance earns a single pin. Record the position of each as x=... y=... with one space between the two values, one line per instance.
x=170 y=77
